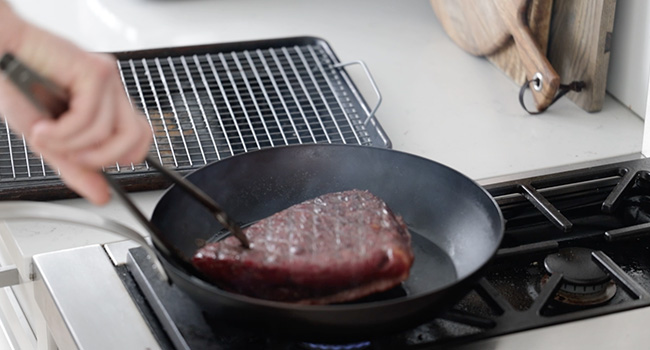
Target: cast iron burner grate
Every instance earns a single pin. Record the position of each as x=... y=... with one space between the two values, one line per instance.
x=207 y=103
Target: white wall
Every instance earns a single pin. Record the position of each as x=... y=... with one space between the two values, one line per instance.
x=629 y=65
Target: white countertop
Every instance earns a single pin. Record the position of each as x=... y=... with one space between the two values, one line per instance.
x=439 y=102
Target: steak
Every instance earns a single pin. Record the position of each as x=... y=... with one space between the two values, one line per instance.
x=334 y=248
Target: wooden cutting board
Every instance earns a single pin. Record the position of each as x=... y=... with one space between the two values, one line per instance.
x=573 y=34
x=579 y=47
x=483 y=27
x=507 y=57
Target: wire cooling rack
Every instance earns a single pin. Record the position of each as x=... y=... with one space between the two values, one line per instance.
x=206 y=103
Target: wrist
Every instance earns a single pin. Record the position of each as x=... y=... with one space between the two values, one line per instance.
x=12 y=28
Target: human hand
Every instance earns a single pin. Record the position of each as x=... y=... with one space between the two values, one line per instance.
x=99 y=128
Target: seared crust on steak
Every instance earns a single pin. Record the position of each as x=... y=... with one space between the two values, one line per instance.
x=334 y=248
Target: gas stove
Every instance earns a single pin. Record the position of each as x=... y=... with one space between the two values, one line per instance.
x=576 y=248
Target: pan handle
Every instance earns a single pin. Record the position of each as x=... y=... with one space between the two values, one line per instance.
x=27 y=210
x=373 y=84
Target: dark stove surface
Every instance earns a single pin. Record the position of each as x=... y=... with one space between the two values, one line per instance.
x=593 y=220
x=179 y=323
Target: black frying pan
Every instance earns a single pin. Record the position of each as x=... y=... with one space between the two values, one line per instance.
x=455 y=224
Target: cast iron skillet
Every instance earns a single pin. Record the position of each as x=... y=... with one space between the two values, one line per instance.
x=455 y=224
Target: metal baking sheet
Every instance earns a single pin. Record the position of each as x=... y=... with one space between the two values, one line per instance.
x=209 y=102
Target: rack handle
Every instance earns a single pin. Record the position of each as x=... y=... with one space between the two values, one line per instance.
x=373 y=84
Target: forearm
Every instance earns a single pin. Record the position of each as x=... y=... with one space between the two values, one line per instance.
x=12 y=28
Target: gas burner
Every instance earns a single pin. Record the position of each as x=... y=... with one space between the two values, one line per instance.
x=350 y=346
x=584 y=283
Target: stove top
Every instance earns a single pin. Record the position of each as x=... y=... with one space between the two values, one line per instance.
x=575 y=247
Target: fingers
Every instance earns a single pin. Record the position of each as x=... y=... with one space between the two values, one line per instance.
x=20 y=113
x=100 y=133
x=90 y=118
x=130 y=143
x=100 y=128
x=83 y=125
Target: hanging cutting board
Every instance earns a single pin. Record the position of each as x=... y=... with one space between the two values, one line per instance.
x=539 y=22
x=579 y=47
x=574 y=34
x=483 y=27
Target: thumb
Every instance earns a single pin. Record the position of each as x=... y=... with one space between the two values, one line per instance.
x=39 y=131
x=86 y=182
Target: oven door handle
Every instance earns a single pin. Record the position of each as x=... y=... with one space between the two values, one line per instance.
x=29 y=211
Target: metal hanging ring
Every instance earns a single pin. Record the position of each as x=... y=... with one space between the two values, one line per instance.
x=576 y=86
x=538 y=81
